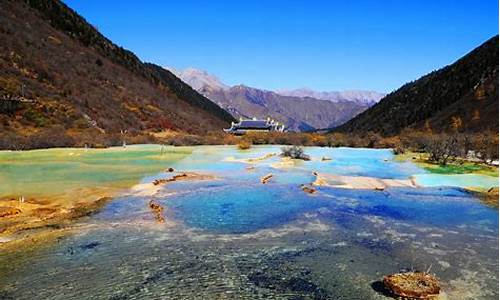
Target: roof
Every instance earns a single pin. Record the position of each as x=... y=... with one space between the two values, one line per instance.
x=253 y=124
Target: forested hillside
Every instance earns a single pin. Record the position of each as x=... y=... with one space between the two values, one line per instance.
x=63 y=83
x=462 y=96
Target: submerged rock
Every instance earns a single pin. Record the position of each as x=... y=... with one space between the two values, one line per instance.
x=412 y=285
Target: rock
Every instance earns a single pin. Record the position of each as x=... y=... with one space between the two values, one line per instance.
x=324 y=158
x=157 y=210
x=173 y=178
x=412 y=285
x=266 y=178
x=309 y=190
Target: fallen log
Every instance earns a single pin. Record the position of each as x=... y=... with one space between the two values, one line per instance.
x=266 y=178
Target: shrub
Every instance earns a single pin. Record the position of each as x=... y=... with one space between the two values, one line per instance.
x=294 y=152
x=244 y=145
x=442 y=148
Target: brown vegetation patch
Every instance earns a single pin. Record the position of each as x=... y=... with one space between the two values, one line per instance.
x=37 y=201
x=43 y=212
x=6 y=211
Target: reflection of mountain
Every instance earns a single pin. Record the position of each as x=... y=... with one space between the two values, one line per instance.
x=463 y=94
x=299 y=113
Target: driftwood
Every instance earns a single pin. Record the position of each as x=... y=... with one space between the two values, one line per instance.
x=266 y=178
x=412 y=285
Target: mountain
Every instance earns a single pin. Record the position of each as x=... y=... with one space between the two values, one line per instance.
x=198 y=79
x=463 y=96
x=58 y=71
x=298 y=113
x=358 y=96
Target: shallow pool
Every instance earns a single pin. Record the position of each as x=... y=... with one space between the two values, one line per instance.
x=235 y=238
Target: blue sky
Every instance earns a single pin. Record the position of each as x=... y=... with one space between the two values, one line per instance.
x=278 y=44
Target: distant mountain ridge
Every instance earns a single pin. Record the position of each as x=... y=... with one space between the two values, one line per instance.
x=198 y=79
x=359 y=96
x=299 y=111
x=462 y=96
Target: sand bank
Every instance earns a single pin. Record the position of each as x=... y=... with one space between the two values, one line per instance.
x=360 y=182
x=250 y=160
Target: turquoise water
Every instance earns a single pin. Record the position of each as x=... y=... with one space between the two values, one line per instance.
x=458 y=180
x=235 y=238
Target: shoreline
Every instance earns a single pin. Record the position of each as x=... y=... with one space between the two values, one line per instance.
x=30 y=222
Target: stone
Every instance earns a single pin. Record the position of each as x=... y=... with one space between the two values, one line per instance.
x=308 y=189
x=412 y=285
x=157 y=210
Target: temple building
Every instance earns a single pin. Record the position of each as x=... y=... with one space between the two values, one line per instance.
x=254 y=124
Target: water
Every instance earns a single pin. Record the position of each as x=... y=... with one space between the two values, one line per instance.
x=235 y=238
x=458 y=180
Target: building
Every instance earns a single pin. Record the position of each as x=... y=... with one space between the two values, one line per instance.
x=255 y=125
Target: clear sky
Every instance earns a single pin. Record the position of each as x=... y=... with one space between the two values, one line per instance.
x=276 y=44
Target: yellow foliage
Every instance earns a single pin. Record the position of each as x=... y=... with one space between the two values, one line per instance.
x=244 y=145
x=456 y=122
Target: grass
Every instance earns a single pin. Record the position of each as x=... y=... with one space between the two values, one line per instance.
x=459 y=167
